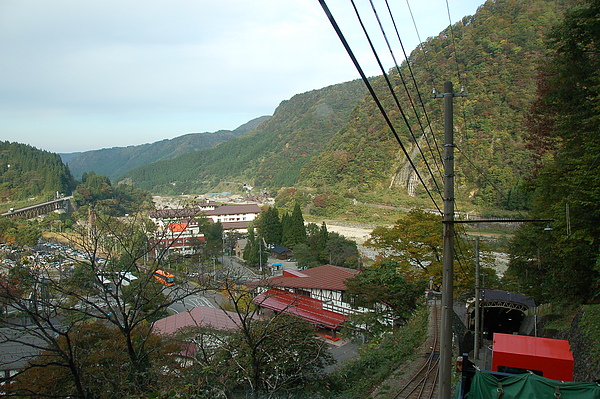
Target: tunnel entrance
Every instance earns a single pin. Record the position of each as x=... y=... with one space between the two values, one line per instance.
x=501 y=312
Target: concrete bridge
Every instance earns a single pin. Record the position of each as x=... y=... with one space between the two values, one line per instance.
x=32 y=211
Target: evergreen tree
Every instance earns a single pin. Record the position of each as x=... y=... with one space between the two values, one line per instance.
x=255 y=252
x=286 y=231
x=269 y=226
x=317 y=239
x=249 y=253
x=298 y=230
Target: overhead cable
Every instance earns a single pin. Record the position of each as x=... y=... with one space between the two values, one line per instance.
x=406 y=89
x=373 y=94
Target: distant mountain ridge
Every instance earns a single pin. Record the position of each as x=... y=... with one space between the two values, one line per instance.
x=269 y=156
x=116 y=161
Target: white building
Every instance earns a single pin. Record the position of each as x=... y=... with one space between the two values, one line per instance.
x=178 y=229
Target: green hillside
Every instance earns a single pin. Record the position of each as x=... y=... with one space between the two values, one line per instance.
x=26 y=172
x=114 y=162
x=496 y=54
x=269 y=156
x=335 y=138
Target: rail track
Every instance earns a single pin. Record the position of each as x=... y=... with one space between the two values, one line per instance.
x=423 y=383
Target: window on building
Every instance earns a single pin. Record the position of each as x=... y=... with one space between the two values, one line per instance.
x=302 y=292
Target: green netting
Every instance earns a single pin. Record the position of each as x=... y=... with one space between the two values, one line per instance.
x=529 y=386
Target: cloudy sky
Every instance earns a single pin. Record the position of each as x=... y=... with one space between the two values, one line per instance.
x=78 y=75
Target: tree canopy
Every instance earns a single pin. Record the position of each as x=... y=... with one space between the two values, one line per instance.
x=562 y=264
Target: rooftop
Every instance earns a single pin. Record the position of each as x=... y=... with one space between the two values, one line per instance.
x=327 y=277
x=201 y=316
x=309 y=309
x=234 y=210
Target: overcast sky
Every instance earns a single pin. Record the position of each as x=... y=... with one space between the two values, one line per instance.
x=78 y=75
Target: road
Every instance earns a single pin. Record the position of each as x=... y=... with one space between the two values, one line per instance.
x=200 y=298
x=235 y=269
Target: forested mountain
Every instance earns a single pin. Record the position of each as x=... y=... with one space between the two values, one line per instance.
x=114 y=162
x=329 y=139
x=494 y=54
x=28 y=172
x=270 y=155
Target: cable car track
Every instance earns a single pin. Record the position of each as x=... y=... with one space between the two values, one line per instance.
x=423 y=384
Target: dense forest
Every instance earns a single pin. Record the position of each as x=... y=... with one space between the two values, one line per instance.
x=562 y=262
x=26 y=172
x=495 y=54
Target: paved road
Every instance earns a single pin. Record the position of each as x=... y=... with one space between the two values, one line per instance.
x=235 y=268
x=206 y=298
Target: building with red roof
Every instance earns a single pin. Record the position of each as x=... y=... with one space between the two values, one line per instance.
x=218 y=324
x=318 y=295
x=200 y=316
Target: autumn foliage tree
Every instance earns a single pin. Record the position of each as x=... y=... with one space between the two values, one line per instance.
x=414 y=242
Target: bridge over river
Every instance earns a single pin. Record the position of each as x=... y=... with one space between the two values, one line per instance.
x=43 y=208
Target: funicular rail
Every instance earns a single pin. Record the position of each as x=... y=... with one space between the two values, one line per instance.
x=423 y=384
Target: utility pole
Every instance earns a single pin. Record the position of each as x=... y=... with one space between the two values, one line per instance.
x=445 y=369
x=477 y=302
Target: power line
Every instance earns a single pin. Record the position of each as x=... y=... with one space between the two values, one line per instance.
x=406 y=89
x=373 y=94
x=452 y=38
x=389 y=84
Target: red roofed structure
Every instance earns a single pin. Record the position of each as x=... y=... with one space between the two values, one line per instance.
x=203 y=316
x=318 y=295
x=177 y=227
x=326 y=277
x=309 y=309
x=550 y=358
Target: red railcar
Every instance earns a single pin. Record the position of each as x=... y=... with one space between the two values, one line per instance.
x=550 y=358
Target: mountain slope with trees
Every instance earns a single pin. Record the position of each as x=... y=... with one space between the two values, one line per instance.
x=114 y=162
x=563 y=263
x=269 y=156
x=336 y=138
x=495 y=53
x=27 y=172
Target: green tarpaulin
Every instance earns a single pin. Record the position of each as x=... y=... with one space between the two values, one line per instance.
x=529 y=386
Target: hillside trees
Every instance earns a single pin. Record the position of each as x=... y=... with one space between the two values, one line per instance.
x=415 y=242
x=119 y=200
x=270 y=156
x=27 y=172
x=562 y=264
x=20 y=233
x=496 y=52
x=384 y=290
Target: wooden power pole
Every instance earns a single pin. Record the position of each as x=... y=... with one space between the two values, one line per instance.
x=445 y=369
